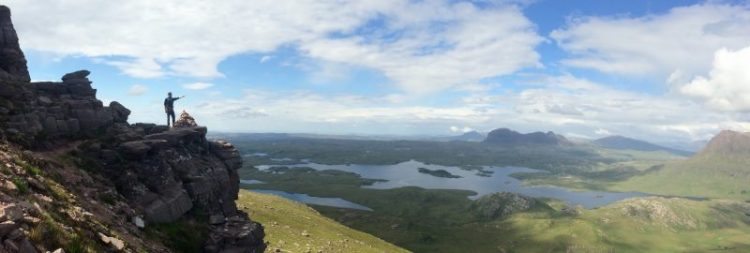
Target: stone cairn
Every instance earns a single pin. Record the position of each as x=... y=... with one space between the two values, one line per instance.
x=185 y=120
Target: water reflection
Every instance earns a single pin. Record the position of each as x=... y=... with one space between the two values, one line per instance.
x=407 y=174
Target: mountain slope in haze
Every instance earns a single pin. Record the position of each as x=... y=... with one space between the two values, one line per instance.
x=621 y=142
x=720 y=170
x=469 y=136
x=729 y=144
x=505 y=136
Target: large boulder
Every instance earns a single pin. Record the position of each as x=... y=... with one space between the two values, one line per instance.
x=119 y=112
x=169 y=206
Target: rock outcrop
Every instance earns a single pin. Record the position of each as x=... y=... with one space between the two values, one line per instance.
x=38 y=114
x=503 y=204
x=504 y=136
x=12 y=61
x=162 y=174
x=167 y=173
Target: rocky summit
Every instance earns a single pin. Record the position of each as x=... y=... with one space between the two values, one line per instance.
x=88 y=173
x=504 y=136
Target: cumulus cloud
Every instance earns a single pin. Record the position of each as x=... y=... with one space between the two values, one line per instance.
x=457 y=129
x=197 y=86
x=265 y=58
x=683 y=39
x=137 y=90
x=564 y=104
x=727 y=86
x=422 y=46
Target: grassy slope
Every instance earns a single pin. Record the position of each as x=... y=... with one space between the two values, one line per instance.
x=703 y=176
x=636 y=225
x=294 y=227
x=606 y=176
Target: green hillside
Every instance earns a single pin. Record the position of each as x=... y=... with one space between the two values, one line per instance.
x=651 y=224
x=295 y=227
x=721 y=170
x=703 y=176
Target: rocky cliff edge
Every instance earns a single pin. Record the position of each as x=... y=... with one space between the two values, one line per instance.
x=88 y=173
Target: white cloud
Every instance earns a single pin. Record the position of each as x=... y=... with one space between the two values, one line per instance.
x=727 y=87
x=564 y=104
x=464 y=129
x=422 y=46
x=137 y=90
x=197 y=86
x=683 y=39
x=265 y=58
x=141 y=67
x=602 y=131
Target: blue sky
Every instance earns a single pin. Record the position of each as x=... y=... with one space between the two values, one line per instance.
x=658 y=70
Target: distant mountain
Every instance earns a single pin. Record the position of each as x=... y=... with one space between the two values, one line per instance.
x=621 y=142
x=472 y=136
x=728 y=143
x=692 y=146
x=504 y=136
x=720 y=170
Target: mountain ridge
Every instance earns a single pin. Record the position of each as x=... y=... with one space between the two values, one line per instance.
x=622 y=142
x=505 y=136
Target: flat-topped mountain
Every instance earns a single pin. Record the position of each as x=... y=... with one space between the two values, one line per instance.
x=621 y=142
x=505 y=136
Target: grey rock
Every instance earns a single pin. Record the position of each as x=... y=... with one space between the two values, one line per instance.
x=44 y=100
x=11 y=212
x=26 y=247
x=12 y=61
x=169 y=207
x=138 y=221
x=178 y=136
x=50 y=125
x=81 y=74
x=7 y=227
x=216 y=219
x=135 y=148
x=119 y=112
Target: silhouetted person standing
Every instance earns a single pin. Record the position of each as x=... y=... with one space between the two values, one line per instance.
x=169 y=108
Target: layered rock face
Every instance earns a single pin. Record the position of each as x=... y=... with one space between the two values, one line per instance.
x=164 y=174
x=167 y=173
x=34 y=114
x=12 y=60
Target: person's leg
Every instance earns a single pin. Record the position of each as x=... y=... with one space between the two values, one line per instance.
x=171 y=114
x=169 y=120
